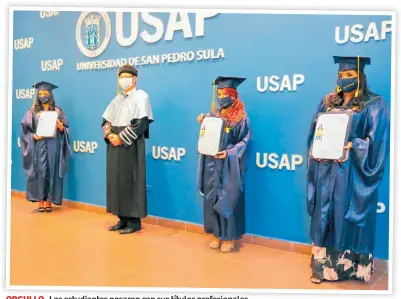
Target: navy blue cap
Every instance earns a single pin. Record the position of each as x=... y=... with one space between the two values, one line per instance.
x=43 y=85
x=228 y=82
x=347 y=63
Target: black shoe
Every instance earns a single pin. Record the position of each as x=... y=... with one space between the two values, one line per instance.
x=129 y=230
x=118 y=226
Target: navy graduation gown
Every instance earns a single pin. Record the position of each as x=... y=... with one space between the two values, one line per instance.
x=342 y=197
x=221 y=182
x=45 y=161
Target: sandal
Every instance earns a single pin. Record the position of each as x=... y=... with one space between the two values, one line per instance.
x=227 y=246
x=48 y=209
x=41 y=209
x=316 y=280
x=215 y=243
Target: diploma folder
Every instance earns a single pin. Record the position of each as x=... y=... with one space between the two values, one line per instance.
x=47 y=124
x=211 y=135
x=331 y=135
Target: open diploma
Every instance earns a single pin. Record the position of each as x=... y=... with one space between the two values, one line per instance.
x=47 y=124
x=330 y=136
x=210 y=136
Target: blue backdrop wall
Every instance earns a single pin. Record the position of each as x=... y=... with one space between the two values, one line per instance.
x=287 y=60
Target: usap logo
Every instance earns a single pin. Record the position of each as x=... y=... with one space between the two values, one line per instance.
x=93 y=33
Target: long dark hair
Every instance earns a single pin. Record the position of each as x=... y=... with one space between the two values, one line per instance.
x=336 y=99
x=37 y=106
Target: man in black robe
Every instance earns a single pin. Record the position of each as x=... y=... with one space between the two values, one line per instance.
x=125 y=128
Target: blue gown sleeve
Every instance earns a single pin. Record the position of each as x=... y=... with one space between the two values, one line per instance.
x=65 y=147
x=28 y=144
x=201 y=171
x=234 y=171
x=312 y=164
x=368 y=156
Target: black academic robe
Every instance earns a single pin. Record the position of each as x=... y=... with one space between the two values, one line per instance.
x=126 y=169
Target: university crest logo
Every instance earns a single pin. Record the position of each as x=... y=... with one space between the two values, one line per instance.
x=93 y=32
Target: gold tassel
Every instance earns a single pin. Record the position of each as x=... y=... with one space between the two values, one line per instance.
x=35 y=97
x=357 y=90
x=213 y=97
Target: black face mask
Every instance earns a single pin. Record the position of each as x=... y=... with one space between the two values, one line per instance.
x=43 y=99
x=225 y=102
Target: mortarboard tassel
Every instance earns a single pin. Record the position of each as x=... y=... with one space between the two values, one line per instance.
x=35 y=98
x=213 y=96
x=357 y=90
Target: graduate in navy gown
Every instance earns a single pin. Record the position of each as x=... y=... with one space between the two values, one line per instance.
x=342 y=195
x=45 y=160
x=221 y=178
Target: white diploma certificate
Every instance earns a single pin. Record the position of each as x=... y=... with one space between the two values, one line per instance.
x=331 y=136
x=47 y=124
x=210 y=136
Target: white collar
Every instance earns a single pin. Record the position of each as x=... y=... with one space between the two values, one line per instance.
x=129 y=92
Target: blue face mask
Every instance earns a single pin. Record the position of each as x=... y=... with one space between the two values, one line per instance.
x=225 y=102
x=347 y=84
x=43 y=99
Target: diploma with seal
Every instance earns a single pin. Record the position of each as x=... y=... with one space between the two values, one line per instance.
x=211 y=135
x=47 y=124
x=331 y=135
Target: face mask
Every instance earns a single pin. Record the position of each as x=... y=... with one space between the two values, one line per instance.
x=347 y=84
x=43 y=99
x=226 y=102
x=125 y=83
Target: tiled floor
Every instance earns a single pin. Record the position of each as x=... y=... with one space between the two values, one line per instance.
x=71 y=247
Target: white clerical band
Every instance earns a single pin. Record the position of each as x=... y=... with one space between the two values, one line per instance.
x=131 y=132
x=125 y=138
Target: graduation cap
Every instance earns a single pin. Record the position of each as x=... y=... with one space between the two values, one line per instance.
x=228 y=82
x=43 y=85
x=347 y=63
x=224 y=82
